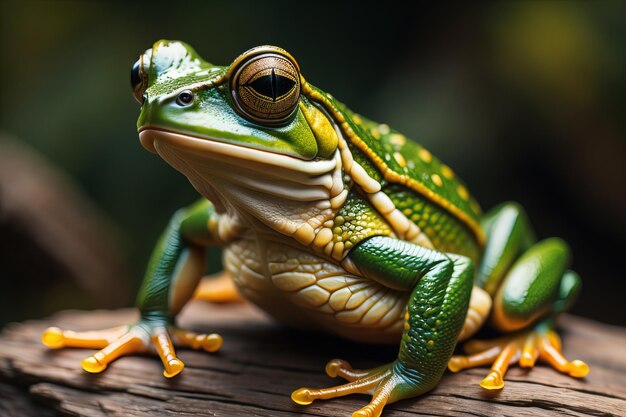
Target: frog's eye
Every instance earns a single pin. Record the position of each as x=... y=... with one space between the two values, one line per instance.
x=266 y=89
x=139 y=79
x=185 y=98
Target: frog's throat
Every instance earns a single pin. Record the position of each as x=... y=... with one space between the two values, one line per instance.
x=295 y=197
x=260 y=188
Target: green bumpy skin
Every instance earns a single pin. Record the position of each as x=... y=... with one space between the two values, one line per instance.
x=440 y=286
x=358 y=220
x=285 y=168
x=446 y=232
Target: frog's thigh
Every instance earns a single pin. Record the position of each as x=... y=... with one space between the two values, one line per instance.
x=537 y=284
x=508 y=234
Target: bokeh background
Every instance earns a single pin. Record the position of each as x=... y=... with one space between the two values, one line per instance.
x=525 y=100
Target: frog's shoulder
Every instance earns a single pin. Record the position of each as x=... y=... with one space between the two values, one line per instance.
x=401 y=160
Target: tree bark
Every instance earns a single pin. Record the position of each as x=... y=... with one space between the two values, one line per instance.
x=261 y=363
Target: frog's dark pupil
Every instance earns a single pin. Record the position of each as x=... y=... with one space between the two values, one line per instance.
x=185 y=97
x=135 y=79
x=272 y=85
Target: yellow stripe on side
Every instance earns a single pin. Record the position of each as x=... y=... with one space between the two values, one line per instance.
x=389 y=174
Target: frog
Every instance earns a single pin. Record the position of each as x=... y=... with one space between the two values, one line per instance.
x=330 y=222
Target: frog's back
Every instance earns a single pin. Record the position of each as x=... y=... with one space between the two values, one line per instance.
x=425 y=189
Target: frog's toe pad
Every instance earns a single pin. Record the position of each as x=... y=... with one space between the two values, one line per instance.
x=382 y=383
x=525 y=348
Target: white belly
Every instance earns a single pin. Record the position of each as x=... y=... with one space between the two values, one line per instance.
x=304 y=291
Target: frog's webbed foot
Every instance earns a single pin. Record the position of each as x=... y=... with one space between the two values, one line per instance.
x=526 y=347
x=385 y=384
x=126 y=340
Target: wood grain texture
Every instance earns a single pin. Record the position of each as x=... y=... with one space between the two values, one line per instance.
x=262 y=363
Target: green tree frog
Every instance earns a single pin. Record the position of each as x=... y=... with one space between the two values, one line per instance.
x=333 y=222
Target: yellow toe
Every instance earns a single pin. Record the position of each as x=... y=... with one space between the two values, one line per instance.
x=173 y=368
x=213 y=342
x=578 y=369
x=92 y=365
x=493 y=381
x=457 y=363
x=333 y=366
x=302 y=396
x=527 y=360
x=53 y=338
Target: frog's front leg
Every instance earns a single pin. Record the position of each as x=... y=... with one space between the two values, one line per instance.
x=440 y=286
x=176 y=265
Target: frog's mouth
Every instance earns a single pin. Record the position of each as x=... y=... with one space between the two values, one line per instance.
x=214 y=166
x=154 y=138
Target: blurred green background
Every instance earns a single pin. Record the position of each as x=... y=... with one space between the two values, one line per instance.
x=525 y=100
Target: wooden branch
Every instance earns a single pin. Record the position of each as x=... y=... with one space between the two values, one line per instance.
x=262 y=363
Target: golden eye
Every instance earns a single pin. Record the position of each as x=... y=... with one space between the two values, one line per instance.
x=266 y=89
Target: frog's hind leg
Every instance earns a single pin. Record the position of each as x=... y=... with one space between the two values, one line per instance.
x=533 y=292
x=509 y=234
x=440 y=286
x=218 y=288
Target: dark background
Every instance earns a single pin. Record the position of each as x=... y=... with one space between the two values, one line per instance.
x=525 y=100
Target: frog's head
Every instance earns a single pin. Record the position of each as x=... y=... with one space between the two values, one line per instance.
x=243 y=132
x=255 y=102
